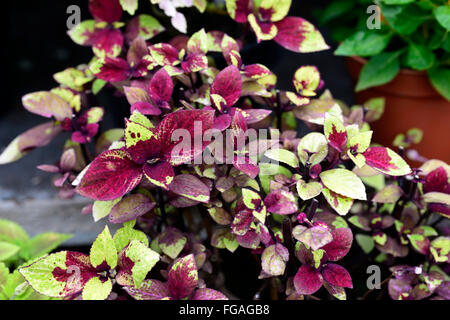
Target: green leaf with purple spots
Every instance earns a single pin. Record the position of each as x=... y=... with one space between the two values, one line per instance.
x=307 y=80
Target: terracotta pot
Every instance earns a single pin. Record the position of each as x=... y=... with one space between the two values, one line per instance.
x=411 y=102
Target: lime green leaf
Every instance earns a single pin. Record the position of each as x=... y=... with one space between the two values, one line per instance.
x=364 y=43
x=129 y=6
x=7 y=250
x=42 y=244
x=389 y=194
x=40 y=274
x=103 y=250
x=344 y=182
x=144 y=260
x=360 y=141
x=12 y=232
x=308 y=190
x=96 y=289
x=284 y=156
x=126 y=234
x=101 y=209
x=312 y=147
x=338 y=202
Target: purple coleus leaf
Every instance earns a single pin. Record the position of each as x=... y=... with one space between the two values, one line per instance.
x=130 y=208
x=307 y=280
x=149 y=290
x=190 y=187
x=84 y=127
x=160 y=89
x=337 y=275
x=341 y=244
x=105 y=10
x=228 y=86
x=183 y=277
x=436 y=181
x=111 y=175
x=239 y=9
x=117 y=69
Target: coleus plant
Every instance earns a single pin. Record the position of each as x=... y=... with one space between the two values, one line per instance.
x=190 y=175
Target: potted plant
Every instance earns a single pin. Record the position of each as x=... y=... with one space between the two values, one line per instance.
x=208 y=167
x=404 y=59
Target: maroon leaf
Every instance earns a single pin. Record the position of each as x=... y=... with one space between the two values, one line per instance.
x=242 y=221
x=208 y=294
x=130 y=208
x=38 y=136
x=183 y=277
x=241 y=11
x=341 y=244
x=249 y=240
x=145 y=108
x=105 y=10
x=113 y=70
x=160 y=173
x=436 y=181
x=107 y=41
x=307 y=280
x=246 y=165
x=337 y=275
x=191 y=125
x=142 y=143
x=160 y=88
x=111 y=175
x=190 y=187
x=228 y=85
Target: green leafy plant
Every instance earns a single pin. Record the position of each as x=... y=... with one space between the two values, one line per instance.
x=412 y=35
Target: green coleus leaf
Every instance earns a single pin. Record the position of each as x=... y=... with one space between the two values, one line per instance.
x=339 y=203
x=97 y=289
x=307 y=80
x=103 y=250
x=380 y=238
x=440 y=248
x=47 y=104
x=389 y=194
x=313 y=147
x=360 y=141
x=198 y=42
x=81 y=33
x=40 y=274
x=72 y=78
x=253 y=201
x=126 y=234
x=442 y=15
x=220 y=215
x=308 y=190
x=439 y=79
x=364 y=43
x=419 y=57
x=284 y=156
x=344 y=182
x=380 y=70
x=224 y=239
x=129 y=6
x=7 y=250
x=42 y=244
x=137 y=259
x=365 y=242
x=12 y=232
x=419 y=242
x=101 y=209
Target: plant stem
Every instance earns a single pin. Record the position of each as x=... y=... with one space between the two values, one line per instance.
x=312 y=209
